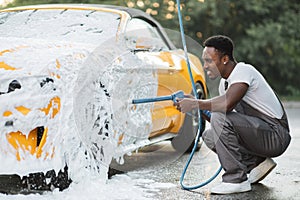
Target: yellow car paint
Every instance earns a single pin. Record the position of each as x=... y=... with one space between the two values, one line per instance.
x=22 y=143
x=54 y=104
x=5 y=66
x=23 y=110
x=165 y=117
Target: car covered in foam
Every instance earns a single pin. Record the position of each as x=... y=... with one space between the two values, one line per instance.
x=68 y=74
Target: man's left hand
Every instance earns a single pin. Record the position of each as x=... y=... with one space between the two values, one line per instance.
x=186 y=104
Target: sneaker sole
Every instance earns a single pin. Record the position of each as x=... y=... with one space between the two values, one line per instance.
x=230 y=192
x=264 y=176
x=231 y=189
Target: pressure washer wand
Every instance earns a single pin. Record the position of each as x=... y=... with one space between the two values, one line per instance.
x=173 y=97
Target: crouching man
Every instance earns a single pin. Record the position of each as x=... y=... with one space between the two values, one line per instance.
x=248 y=123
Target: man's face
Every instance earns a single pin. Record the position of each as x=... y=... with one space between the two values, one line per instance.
x=212 y=62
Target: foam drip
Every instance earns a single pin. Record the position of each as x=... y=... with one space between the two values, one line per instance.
x=110 y=79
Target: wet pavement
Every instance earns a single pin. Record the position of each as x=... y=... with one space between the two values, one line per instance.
x=161 y=163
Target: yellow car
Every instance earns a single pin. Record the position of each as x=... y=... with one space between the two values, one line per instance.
x=68 y=75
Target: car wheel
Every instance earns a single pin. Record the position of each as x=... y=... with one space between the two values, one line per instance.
x=184 y=141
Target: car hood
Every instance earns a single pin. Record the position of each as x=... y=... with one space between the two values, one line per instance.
x=27 y=56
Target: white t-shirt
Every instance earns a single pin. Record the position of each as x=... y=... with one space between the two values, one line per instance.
x=259 y=94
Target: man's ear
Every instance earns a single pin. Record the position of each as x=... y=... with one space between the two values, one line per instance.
x=225 y=59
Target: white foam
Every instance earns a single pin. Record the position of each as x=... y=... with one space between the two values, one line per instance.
x=95 y=78
x=94 y=90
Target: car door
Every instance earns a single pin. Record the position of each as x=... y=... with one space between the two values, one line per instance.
x=146 y=42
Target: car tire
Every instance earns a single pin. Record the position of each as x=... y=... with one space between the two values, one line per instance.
x=184 y=141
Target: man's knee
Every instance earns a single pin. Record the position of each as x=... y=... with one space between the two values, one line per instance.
x=217 y=119
x=208 y=138
x=218 y=123
x=215 y=133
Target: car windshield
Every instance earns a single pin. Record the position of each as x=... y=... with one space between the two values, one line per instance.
x=87 y=26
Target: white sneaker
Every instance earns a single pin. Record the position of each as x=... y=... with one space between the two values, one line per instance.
x=229 y=188
x=261 y=171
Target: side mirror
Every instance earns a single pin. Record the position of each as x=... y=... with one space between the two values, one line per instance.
x=144 y=43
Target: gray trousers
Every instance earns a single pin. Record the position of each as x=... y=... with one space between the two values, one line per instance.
x=244 y=139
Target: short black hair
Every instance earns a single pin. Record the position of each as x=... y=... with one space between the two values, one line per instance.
x=222 y=43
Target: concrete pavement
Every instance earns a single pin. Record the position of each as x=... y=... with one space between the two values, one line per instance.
x=160 y=163
x=282 y=183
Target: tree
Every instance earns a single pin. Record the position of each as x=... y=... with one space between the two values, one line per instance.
x=266 y=33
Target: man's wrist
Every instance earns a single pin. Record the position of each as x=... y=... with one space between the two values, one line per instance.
x=196 y=104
